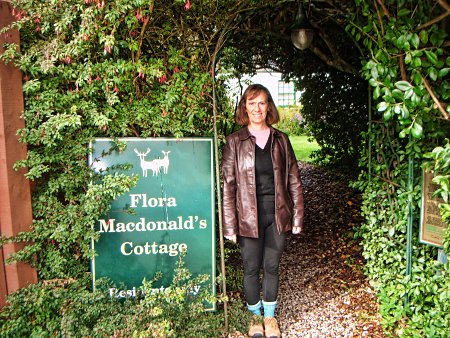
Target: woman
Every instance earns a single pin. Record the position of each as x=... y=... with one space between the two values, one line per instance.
x=262 y=201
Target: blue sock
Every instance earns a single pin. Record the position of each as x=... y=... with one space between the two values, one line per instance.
x=269 y=308
x=255 y=309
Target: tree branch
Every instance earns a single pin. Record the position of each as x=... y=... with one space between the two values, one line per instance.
x=385 y=10
x=337 y=63
x=336 y=60
x=435 y=99
x=432 y=22
x=379 y=19
x=444 y=5
x=402 y=67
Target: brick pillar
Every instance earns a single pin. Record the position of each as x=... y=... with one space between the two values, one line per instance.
x=15 y=196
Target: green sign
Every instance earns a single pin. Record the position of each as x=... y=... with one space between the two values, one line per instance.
x=172 y=211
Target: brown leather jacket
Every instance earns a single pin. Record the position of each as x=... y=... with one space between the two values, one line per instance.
x=239 y=188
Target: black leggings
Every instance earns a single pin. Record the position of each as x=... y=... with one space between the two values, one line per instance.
x=264 y=252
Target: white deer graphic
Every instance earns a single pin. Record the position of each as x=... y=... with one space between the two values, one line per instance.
x=164 y=162
x=145 y=165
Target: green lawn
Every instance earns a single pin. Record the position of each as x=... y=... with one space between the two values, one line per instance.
x=302 y=147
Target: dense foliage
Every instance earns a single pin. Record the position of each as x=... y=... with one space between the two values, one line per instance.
x=407 y=70
x=335 y=109
x=69 y=308
x=101 y=69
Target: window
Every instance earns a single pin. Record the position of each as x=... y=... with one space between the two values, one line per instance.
x=286 y=94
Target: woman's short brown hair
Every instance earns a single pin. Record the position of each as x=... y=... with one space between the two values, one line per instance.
x=252 y=91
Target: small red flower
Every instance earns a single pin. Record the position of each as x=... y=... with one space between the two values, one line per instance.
x=176 y=70
x=187 y=6
x=162 y=79
x=138 y=15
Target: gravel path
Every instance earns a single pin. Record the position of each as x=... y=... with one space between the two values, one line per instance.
x=323 y=292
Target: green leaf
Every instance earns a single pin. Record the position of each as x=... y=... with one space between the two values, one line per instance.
x=404 y=132
x=408 y=58
x=431 y=56
x=417 y=78
x=402 y=42
x=432 y=72
x=443 y=72
x=423 y=36
x=416 y=130
x=387 y=114
x=397 y=94
x=405 y=112
x=415 y=40
x=408 y=94
x=382 y=106
x=403 y=85
x=374 y=72
x=403 y=12
x=376 y=92
x=415 y=98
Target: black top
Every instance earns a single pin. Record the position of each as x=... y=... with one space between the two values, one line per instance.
x=264 y=170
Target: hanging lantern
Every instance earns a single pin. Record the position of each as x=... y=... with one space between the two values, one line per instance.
x=301 y=31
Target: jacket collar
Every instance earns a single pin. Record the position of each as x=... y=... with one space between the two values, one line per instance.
x=244 y=133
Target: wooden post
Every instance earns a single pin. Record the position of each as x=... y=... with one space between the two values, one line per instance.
x=15 y=196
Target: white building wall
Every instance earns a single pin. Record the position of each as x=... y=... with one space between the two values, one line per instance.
x=267 y=78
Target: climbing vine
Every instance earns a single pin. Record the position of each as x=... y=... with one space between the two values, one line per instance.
x=101 y=69
x=407 y=69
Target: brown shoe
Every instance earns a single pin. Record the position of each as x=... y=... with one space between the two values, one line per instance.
x=256 y=329
x=272 y=329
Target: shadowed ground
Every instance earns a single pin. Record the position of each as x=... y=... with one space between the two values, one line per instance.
x=323 y=292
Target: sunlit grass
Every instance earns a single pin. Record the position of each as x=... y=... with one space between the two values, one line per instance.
x=303 y=148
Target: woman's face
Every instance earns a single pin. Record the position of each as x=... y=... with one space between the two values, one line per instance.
x=256 y=108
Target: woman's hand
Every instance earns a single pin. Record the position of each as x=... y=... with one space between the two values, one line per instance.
x=296 y=230
x=232 y=238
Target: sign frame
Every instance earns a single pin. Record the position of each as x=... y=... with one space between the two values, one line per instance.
x=183 y=226
x=430 y=233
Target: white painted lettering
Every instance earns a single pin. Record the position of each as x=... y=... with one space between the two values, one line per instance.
x=123 y=248
x=106 y=226
x=141 y=200
x=135 y=199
